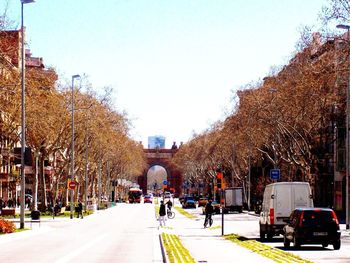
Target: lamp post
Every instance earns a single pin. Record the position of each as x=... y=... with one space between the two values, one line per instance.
x=347 y=27
x=23 y=120
x=72 y=150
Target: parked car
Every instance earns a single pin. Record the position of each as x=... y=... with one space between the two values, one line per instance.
x=202 y=201
x=189 y=202
x=182 y=198
x=216 y=207
x=312 y=226
x=147 y=199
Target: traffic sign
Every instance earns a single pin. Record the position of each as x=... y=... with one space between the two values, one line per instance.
x=275 y=174
x=165 y=182
x=72 y=185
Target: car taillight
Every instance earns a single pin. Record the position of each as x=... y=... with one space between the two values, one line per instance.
x=335 y=219
x=272 y=216
x=301 y=219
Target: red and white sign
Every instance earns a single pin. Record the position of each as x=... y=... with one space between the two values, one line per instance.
x=72 y=185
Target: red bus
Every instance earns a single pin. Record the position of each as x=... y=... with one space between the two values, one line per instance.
x=135 y=195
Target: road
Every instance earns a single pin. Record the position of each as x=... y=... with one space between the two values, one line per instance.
x=247 y=225
x=129 y=233
x=125 y=233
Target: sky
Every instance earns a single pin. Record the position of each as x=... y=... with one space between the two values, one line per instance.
x=174 y=65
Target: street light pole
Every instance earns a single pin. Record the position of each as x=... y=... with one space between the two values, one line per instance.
x=72 y=150
x=23 y=120
x=346 y=27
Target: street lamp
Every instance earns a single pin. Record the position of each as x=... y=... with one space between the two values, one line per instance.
x=346 y=27
x=72 y=150
x=23 y=120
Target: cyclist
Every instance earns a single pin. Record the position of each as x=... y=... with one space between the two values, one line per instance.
x=169 y=204
x=208 y=213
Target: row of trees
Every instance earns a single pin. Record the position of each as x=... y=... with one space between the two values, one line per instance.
x=103 y=146
x=289 y=120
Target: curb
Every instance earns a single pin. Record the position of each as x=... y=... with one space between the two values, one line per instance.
x=165 y=258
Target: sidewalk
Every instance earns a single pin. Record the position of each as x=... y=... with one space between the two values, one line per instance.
x=207 y=245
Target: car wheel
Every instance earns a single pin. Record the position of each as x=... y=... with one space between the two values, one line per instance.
x=336 y=244
x=296 y=242
x=262 y=233
x=286 y=242
x=269 y=235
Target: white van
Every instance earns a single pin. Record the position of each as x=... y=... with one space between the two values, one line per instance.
x=280 y=199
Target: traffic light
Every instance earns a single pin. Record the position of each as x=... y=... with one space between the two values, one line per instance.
x=218 y=183
x=219 y=177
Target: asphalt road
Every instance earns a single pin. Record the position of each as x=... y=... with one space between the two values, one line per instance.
x=247 y=225
x=125 y=233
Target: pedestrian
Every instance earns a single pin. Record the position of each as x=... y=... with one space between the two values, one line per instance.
x=9 y=203
x=80 y=209
x=162 y=213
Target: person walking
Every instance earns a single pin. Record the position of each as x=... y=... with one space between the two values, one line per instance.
x=162 y=213
x=1 y=204
x=80 y=209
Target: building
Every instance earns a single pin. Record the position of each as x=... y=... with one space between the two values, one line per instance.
x=156 y=141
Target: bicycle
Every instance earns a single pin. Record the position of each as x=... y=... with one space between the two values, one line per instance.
x=170 y=214
x=208 y=219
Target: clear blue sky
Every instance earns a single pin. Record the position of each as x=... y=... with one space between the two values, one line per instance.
x=173 y=65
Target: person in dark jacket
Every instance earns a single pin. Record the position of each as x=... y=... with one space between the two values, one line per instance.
x=80 y=209
x=169 y=204
x=162 y=213
x=1 y=204
x=209 y=210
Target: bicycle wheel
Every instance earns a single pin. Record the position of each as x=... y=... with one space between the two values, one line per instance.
x=171 y=214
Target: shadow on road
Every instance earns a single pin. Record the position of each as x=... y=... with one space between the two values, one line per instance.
x=305 y=248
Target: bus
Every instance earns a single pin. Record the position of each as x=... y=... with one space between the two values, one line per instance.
x=135 y=195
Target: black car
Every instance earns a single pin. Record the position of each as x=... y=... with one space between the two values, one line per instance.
x=312 y=226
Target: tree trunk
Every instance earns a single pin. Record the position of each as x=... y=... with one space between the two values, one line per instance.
x=42 y=170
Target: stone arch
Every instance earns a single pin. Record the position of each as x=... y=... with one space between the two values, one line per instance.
x=162 y=157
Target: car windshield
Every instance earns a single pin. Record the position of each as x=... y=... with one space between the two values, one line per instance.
x=317 y=217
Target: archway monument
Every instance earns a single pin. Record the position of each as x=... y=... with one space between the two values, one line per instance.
x=162 y=157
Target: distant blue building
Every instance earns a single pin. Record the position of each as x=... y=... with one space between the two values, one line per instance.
x=156 y=141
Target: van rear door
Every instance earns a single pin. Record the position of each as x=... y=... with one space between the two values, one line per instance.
x=283 y=205
x=302 y=196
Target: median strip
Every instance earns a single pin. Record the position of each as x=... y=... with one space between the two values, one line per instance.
x=175 y=251
x=275 y=254
x=185 y=213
